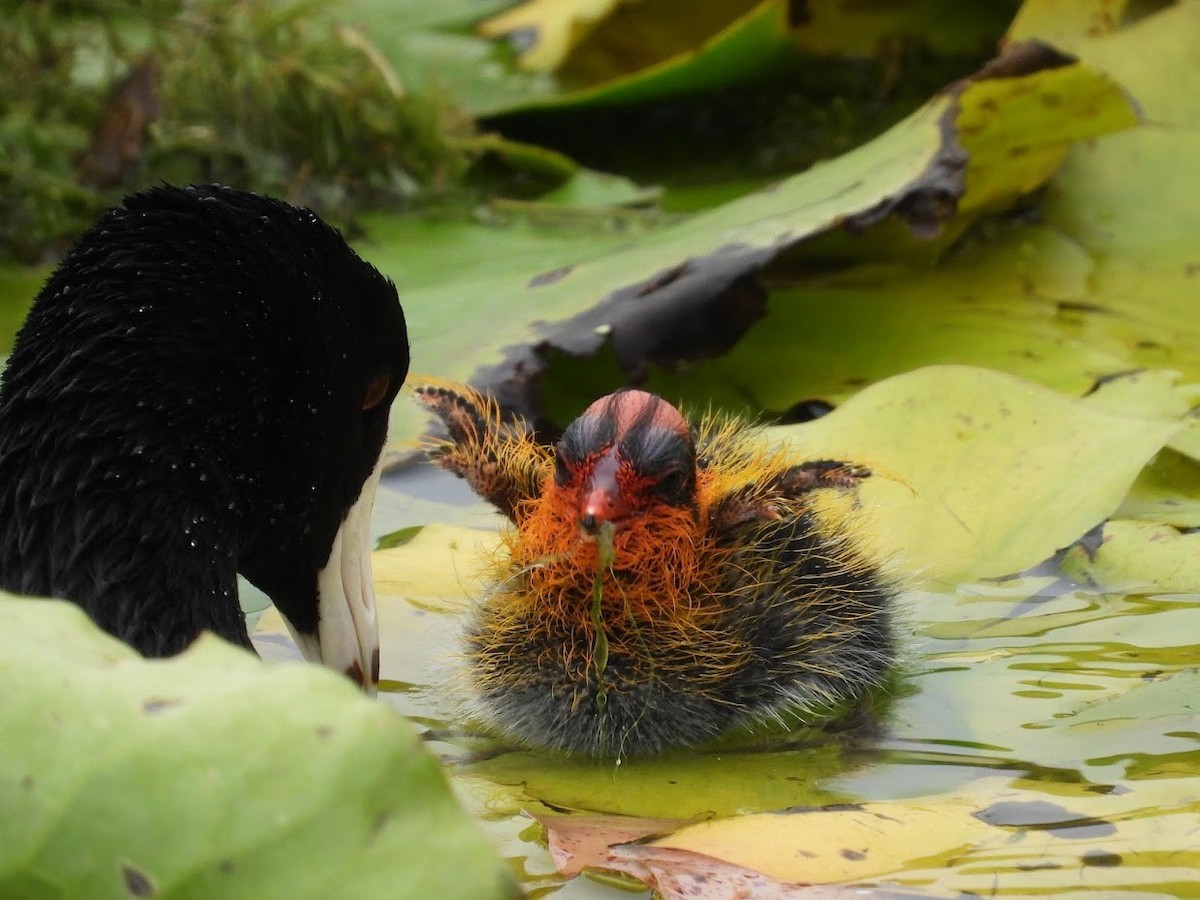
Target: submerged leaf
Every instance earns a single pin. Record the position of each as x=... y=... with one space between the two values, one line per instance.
x=691 y=289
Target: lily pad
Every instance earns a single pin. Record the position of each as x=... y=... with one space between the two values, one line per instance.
x=948 y=844
x=993 y=473
x=1167 y=492
x=124 y=777
x=1173 y=696
x=691 y=289
x=1139 y=556
x=1126 y=200
x=1003 y=304
x=833 y=28
x=546 y=30
x=750 y=44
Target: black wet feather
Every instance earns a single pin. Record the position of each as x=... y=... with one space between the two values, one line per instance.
x=184 y=402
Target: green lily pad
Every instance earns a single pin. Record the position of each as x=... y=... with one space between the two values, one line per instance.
x=611 y=54
x=1127 y=200
x=689 y=289
x=212 y=774
x=605 y=52
x=1176 y=695
x=680 y=785
x=751 y=44
x=1003 y=304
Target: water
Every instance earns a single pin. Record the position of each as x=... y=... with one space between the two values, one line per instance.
x=1056 y=727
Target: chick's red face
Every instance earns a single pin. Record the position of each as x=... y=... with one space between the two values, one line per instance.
x=627 y=454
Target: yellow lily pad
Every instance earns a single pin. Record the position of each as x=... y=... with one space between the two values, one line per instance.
x=823 y=846
x=1061 y=22
x=1044 y=113
x=1139 y=556
x=944 y=844
x=997 y=473
x=547 y=30
x=1167 y=491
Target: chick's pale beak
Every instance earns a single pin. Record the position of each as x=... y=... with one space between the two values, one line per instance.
x=347 y=636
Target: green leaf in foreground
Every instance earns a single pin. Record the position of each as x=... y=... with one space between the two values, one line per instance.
x=212 y=775
x=994 y=474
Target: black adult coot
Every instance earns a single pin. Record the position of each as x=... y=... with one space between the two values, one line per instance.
x=200 y=389
x=664 y=582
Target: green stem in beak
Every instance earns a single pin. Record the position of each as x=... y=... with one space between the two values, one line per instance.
x=608 y=554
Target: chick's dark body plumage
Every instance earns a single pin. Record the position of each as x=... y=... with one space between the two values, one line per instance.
x=663 y=583
x=201 y=388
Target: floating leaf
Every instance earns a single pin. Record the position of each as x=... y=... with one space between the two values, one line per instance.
x=1166 y=492
x=212 y=774
x=1144 y=249
x=1174 y=696
x=820 y=846
x=998 y=473
x=546 y=30
x=1139 y=556
x=940 y=845
x=835 y=28
x=691 y=289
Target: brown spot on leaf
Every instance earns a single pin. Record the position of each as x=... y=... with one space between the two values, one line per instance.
x=1110 y=377
x=154 y=705
x=137 y=882
x=380 y=823
x=354 y=672
x=1082 y=306
x=1024 y=58
x=550 y=277
x=1101 y=858
x=660 y=280
x=853 y=855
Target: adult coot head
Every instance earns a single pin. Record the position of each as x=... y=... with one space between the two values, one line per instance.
x=201 y=389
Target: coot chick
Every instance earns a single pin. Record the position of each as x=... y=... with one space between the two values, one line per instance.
x=202 y=388
x=663 y=583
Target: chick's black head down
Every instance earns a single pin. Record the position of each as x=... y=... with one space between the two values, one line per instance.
x=202 y=388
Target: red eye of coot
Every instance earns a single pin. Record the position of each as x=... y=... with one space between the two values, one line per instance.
x=376 y=391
